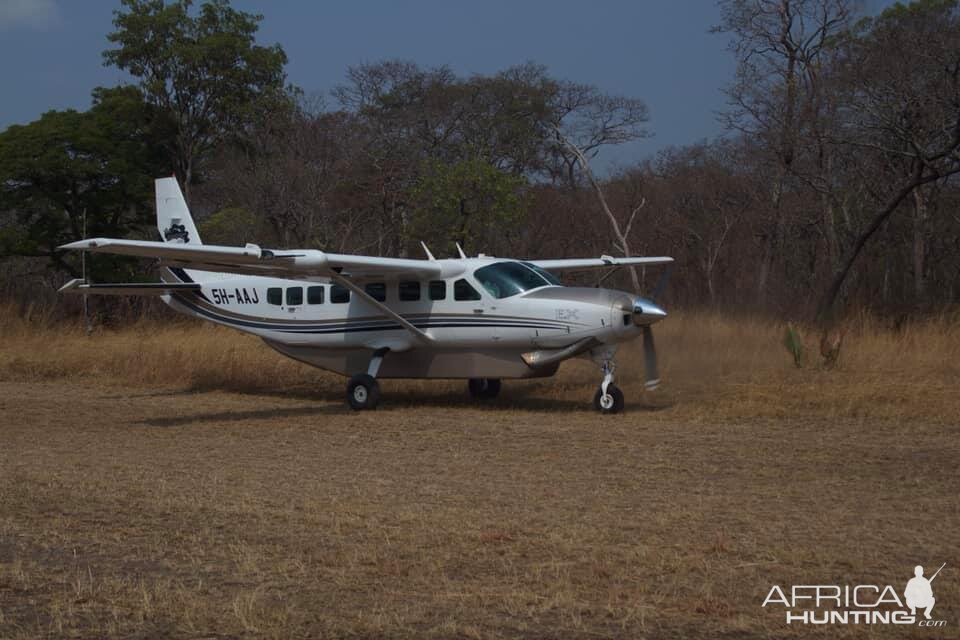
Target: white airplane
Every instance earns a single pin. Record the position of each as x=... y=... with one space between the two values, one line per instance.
x=366 y=317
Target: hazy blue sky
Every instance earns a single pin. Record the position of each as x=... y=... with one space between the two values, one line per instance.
x=660 y=51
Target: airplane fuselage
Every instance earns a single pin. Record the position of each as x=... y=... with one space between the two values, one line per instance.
x=473 y=334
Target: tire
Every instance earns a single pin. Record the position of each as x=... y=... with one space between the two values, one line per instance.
x=363 y=392
x=613 y=405
x=484 y=388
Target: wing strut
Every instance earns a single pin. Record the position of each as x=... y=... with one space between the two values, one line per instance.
x=419 y=335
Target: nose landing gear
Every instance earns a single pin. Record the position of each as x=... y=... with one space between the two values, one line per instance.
x=608 y=398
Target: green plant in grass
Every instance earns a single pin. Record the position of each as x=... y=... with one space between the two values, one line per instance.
x=793 y=341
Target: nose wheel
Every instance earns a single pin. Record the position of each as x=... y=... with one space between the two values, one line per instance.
x=609 y=402
x=608 y=398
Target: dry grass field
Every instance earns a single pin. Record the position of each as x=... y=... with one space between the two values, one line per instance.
x=186 y=481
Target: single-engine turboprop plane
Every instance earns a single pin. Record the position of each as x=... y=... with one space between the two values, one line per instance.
x=481 y=318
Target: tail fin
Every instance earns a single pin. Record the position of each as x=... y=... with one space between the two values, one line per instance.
x=173 y=217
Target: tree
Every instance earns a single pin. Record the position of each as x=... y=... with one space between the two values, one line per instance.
x=706 y=201
x=204 y=73
x=778 y=96
x=470 y=202
x=580 y=121
x=512 y=121
x=902 y=79
x=297 y=177
x=582 y=117
x=68 y=165
x=621 y=234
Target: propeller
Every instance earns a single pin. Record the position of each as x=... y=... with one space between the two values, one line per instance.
x=650 y=313
x=646 y=313
x=650 y=359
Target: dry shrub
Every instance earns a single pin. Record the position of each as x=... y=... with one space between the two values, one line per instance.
x=714 y=365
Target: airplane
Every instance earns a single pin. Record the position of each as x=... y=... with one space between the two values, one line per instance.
x=482 y=318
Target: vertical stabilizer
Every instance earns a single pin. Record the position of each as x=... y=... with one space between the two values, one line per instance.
x=173 y=217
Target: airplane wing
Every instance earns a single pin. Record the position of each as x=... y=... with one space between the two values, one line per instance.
x=252 y=260
x=575 y=264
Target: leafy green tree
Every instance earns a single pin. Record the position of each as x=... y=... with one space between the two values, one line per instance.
x=204 y=73
x=66 y=164
x=471 y=202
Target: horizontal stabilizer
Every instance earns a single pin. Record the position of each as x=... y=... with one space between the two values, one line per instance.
x=128 y=288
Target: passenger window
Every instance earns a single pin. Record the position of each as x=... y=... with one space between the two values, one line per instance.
x=275 y=295
x=438 y=290
x=462 y=290
x=409 y=291
x=339 y=294
x=294 y=296
x=314 y=295
x=376 y=290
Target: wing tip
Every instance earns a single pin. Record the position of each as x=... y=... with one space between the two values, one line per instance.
x=87 y=243
x=71 y=286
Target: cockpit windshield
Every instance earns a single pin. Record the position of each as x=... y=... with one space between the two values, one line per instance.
x=505 y=279
x=549 y=277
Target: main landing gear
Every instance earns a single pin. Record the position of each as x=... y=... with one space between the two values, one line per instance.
x=484 y=388
x=363 y=390
x=608 y=398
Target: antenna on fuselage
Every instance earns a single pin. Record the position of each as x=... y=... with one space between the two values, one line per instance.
x=426 y=250
x=460 y=251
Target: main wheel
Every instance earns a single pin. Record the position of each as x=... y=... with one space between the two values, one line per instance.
x=612 y=402
x=363 y=392
x=484 y=388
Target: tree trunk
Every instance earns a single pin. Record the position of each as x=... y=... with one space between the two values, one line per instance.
x=826 y=309
x=773 y=241
x=919 y=242
x=830 y=234
x=614 y=225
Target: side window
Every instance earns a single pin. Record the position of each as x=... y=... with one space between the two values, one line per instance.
x=314 y=295
x=463 y=290
x=409 y=291
x=339 y=294
x=294 y=296
x=376 y=290
x=275 y=295
x=438 y=290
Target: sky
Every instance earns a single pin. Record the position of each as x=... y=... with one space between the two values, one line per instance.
x=660 y=51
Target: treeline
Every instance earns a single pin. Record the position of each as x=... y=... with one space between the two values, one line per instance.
x=833 y=188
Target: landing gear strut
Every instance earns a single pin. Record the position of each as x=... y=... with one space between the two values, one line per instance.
x=363 y=391
x=608 y=398
x=484 y=388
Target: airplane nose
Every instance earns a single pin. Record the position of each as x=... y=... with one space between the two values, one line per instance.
x=646 y=312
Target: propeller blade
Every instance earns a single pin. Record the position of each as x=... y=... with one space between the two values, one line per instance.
x=650 y=359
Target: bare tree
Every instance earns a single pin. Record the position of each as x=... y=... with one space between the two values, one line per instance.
x=902 y=74
x=621 y=242
x=779 y=46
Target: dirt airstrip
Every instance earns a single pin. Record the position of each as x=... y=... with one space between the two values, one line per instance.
x=151 y=509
